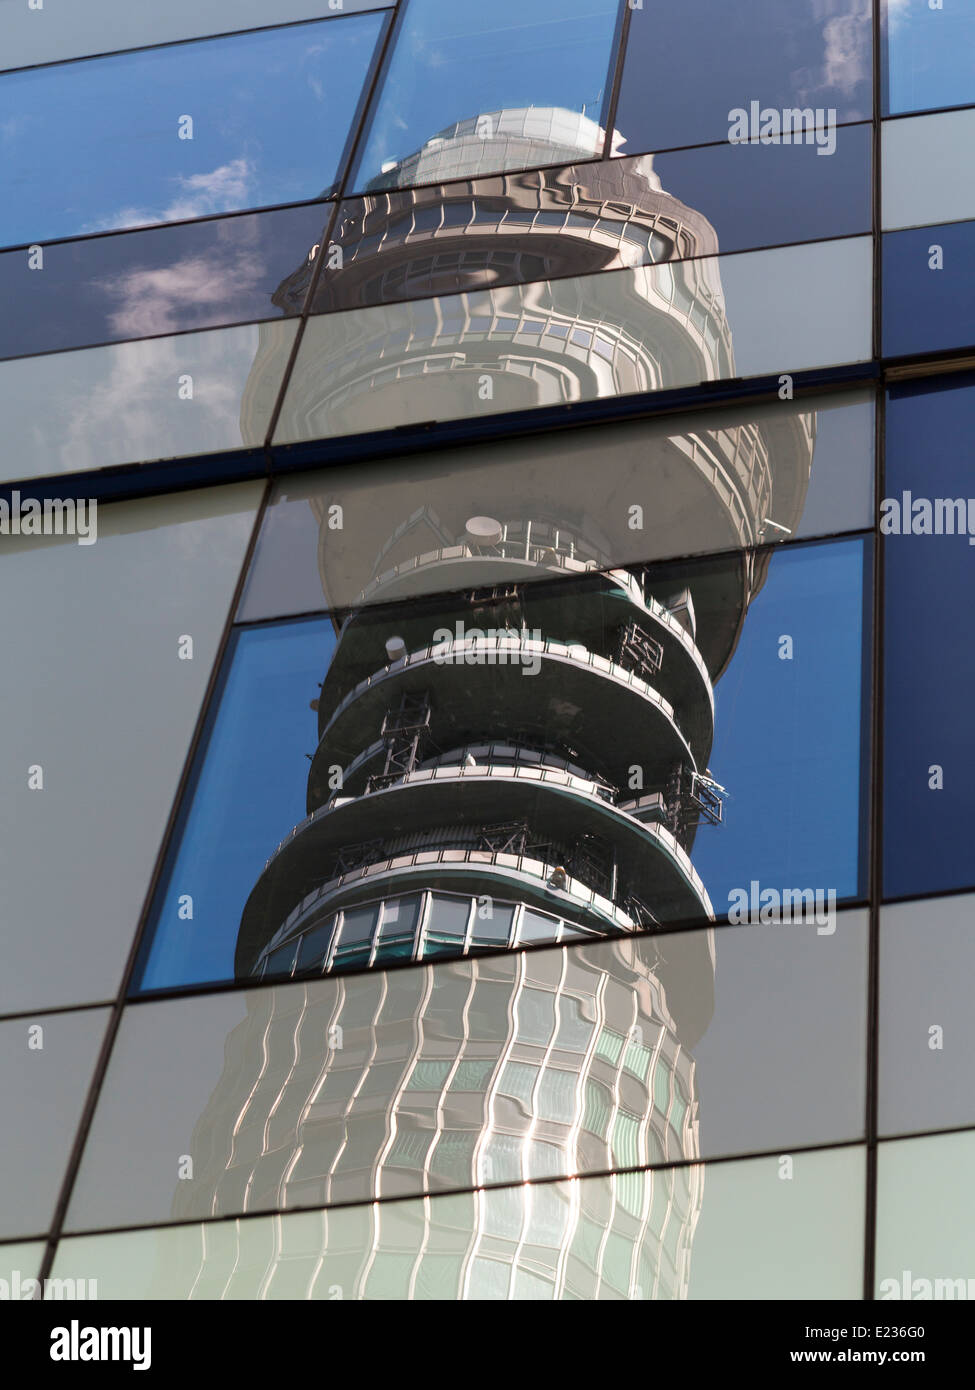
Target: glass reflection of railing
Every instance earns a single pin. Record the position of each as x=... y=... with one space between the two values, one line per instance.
x=666 y=838
x=531 y=542
x=486 y=755
x=448 y=652
x=413 y=926
x=612 y=919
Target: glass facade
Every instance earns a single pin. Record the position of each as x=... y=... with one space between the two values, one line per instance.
x=487 y=764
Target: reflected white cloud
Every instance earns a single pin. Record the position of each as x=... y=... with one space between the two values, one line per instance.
x=224 y=189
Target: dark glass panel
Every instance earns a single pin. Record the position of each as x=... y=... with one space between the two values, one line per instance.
x=929 y=289
x=928 y=523
x=165 y=280
x=690 y=65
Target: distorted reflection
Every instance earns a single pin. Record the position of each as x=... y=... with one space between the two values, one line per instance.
x=518 y=753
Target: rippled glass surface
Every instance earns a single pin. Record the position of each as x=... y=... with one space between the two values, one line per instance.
x=729 y=1230
x=649 y=648
x=389 y=524
x=657 y=327
x=516 y=227
x=563 y=1061
x=181 y=131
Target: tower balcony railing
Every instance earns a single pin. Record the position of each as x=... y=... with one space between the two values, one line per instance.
x=532 y=871
x=529 y=543
x=511 y=754
x=455 y=653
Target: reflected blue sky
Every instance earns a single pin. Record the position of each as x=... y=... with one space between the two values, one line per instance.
x=452 y=61
x=690 y=62
x=787 y=747
x=94 y=145
x=249 y=794
x=788 y=733
x=929 y=55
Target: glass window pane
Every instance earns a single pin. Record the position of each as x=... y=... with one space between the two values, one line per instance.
x=164 y=570
x=447 y=918
x=813 y=54
x=46 y=1066
x=165 y=134
x=282 y=961
x=927 y=1033
x=404 y=529
x=928 y=51
x=332 y=1067
x=731 y=1230
x=160 y=280
x=921 y=159
x=492 y=924
x=722 y=204
x=186 y=395
x=67 y=30
x=358 y=925
x=400 y=917
x=236 y=806
x=445 y=767
x=349 y=374
x=471 y=89
x=928 y=523
x=314 y=945
x=929 y=289
x=537 y=926
x=924 y=1218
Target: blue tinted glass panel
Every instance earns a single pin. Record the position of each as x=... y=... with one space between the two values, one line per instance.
x=248 y=785
x=929 y=289
x=476 y=88
x=441 y=767
x=106 y=143
x=929 y=642
x=929 y=55
x=161 y=280
x=689 y=65
x=775 y=729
